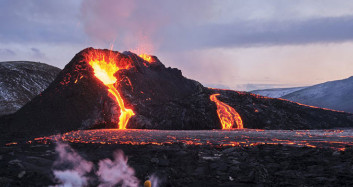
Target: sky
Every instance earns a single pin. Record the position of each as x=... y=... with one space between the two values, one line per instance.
x=243 y=45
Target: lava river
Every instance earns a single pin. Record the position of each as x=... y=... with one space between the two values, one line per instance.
x=105 y=65
x=227 y=115
x=334 y=139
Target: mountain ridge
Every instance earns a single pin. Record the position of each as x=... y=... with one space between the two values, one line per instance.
x=20 y=81
x=335 y=95
x=277 y=92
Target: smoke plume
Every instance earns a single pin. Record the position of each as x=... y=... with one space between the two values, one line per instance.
x=141 y=26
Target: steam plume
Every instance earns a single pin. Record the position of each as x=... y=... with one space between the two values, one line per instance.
x=112 y=172
x=77 y=167
x=71 y=170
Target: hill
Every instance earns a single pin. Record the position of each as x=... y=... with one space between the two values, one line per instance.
x=21 y=81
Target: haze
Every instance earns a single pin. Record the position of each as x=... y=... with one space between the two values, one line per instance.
x=241 y=45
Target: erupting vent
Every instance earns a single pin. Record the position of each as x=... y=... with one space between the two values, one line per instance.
x=101 y=88
x=227 y=115
x=146 y=57
x=105 y=65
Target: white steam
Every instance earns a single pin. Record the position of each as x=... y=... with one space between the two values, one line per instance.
x=112 y=172
x=70 y=178
x=77 y=169
x=154 y=181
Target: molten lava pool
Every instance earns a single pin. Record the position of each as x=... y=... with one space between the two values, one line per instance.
x=334 y=139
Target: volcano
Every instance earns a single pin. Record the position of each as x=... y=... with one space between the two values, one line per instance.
x=108 y=89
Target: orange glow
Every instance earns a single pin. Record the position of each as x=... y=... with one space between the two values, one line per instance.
x=11 y=143
x=105 y=65
x=125 y=113
x=227 y=115
x=335 y=140
x=146 y=57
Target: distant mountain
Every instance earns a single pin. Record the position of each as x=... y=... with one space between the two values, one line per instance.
x=337 y=95
x=20 y=81
x=277 y=92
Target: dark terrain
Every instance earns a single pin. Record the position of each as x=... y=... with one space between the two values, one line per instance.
x=21 y=81
x=163 y=98
x=183 y=163
x=189 y=165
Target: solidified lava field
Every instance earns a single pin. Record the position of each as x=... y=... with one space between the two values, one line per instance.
x=336 y=139
x=246 y=157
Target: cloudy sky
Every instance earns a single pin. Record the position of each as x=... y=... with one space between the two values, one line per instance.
x=236 y=44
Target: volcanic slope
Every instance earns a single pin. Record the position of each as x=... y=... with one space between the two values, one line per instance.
x=21 y=81
x=159 y=97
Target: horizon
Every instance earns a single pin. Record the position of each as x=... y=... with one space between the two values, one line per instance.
x=236 y=45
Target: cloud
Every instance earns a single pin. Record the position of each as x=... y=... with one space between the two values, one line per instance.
x=37 y=53
x=206 y=39
x=257 y=33
x=39 y=21
x=175 y=25
x=7 y=53
x=188 y=25
x=136 y=24
x=159 y=25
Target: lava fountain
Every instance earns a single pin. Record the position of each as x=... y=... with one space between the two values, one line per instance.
x=105 y=65
x=227 y=115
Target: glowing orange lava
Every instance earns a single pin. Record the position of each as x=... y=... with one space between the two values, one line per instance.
x=146 y=57
x=338 y=139
x=227 y=115
x=105 y=65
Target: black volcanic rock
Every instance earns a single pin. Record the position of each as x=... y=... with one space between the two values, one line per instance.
x=66 y=105
x=264 y=165
x=21 y=81
x=160 y=97
x=163 y=99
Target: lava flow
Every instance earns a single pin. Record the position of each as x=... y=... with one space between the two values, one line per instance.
x=105 y=65
x=227 y=115
x=336 y=139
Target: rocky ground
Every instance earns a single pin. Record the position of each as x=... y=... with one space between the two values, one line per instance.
x=190 y=165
